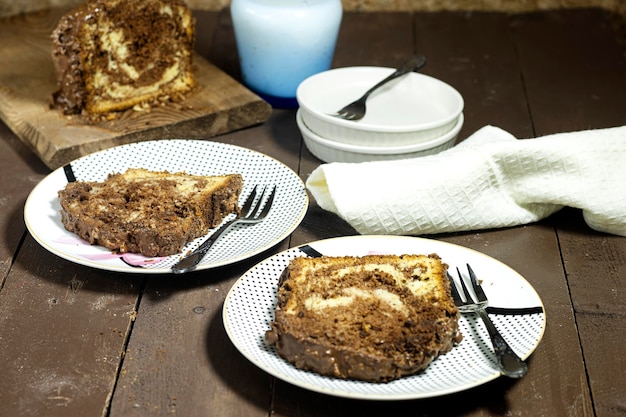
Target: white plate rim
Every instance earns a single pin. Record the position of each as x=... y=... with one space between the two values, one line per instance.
x=352 y=242
x=36 y=197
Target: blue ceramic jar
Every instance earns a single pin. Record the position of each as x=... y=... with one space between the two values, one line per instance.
x=282 y=42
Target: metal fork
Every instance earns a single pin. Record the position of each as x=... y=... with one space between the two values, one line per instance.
x=509 y=363
x=356 y=110
x=250 y=213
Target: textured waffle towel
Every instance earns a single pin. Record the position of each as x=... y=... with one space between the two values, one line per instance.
x=490 y=180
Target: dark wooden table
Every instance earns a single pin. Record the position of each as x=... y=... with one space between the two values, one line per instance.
x=76 y=341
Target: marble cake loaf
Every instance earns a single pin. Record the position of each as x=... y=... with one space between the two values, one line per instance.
x=111 y=55
x=375 y=318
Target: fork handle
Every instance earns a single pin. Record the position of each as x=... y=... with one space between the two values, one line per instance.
x=191 y=261
x=412 y=64
x=510 y=364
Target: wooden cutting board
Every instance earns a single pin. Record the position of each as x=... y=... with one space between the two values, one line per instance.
x=27 y=80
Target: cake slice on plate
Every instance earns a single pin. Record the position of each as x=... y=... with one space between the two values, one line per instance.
x=375 y=318
x=152 y=213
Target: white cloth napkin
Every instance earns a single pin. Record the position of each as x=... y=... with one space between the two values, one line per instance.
x=490 y=180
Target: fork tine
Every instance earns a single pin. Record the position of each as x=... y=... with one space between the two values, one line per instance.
x=454 y=291
x=353 y=111
x=268 y=204
x=248 y=203
x=355 y=114
x=468 y=295
x=478 y=289
x=257 y=206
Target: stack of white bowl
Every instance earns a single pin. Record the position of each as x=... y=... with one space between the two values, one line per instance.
x=413 y=115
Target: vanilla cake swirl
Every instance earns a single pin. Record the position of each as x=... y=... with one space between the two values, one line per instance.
x=110 y=55
x=374 y=318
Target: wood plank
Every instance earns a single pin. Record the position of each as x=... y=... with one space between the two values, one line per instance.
x=17 y=181
x=474 y=53
x=64 y=328
x=218 y=104
x=223 y=50
x=573 y=68
x=582 y=48
x=388 y=45
x=602 y=336
x=595 y=264
x=180 y=359
x=206 y=24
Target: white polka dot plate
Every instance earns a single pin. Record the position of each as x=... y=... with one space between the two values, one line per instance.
x=515 y=308
x=43 y=219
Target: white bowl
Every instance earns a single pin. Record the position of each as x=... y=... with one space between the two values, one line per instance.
x=410 y=109
x=330 y=151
